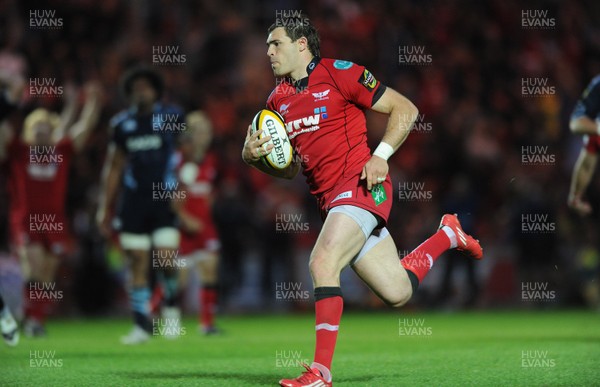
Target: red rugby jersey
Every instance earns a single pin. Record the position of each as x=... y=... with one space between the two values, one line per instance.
x=325 y=120
x=38 y=176
x=198 y=181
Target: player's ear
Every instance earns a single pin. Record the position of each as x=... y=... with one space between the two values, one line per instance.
x=302 y=43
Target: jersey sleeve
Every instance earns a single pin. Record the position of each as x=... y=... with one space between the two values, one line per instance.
x=357 y=84
x=589 y=103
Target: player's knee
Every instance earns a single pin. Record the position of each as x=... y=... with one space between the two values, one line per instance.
x=321 y=269
x=400 y=299
x=314 y=266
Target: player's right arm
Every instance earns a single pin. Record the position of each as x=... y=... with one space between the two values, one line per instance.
x=111 y=178
x=253 y=151
x=580 y=180
x=68 y=113
x=89 y=116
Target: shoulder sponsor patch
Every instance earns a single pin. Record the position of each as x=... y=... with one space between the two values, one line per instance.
x=367 y=80
x=342 y=64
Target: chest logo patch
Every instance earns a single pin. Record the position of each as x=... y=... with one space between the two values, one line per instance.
x=322 y=95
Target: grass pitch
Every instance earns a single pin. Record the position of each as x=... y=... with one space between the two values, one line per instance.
x=374 y=349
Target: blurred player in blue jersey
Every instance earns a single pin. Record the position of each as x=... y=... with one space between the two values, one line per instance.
x=585 y=120
x=141 y=166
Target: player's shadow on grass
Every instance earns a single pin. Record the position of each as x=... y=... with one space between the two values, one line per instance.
x=261 y=379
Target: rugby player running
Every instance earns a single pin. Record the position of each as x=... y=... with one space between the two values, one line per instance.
x=323 y=101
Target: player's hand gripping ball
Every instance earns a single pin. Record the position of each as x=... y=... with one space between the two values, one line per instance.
x=272 y=124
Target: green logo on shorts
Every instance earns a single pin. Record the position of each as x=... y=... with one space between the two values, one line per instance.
x=378 y=193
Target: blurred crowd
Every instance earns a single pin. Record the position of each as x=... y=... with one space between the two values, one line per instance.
x=466 y=150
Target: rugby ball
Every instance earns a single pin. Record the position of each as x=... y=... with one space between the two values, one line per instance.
x=272 y=124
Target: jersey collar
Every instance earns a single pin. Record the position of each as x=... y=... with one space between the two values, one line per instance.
x=302 y=84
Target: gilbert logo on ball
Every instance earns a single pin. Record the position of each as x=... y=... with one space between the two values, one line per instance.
x=272 y=124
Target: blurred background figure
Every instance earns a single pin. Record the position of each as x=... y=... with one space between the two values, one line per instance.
x=585 y=121
x=200 y=243
x=38 y=165
x=11 y=90
x=140 y=170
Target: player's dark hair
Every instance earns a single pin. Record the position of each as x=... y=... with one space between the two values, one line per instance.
x=296 y=28
x=144 y=72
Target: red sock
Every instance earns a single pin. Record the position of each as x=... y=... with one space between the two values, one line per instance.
x=156 y=298
x=421 y=259
x=208 y=303
x=328 y=307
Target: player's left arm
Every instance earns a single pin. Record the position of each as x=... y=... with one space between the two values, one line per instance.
x=402 y=114
x=89 y=116
x=580 y=180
